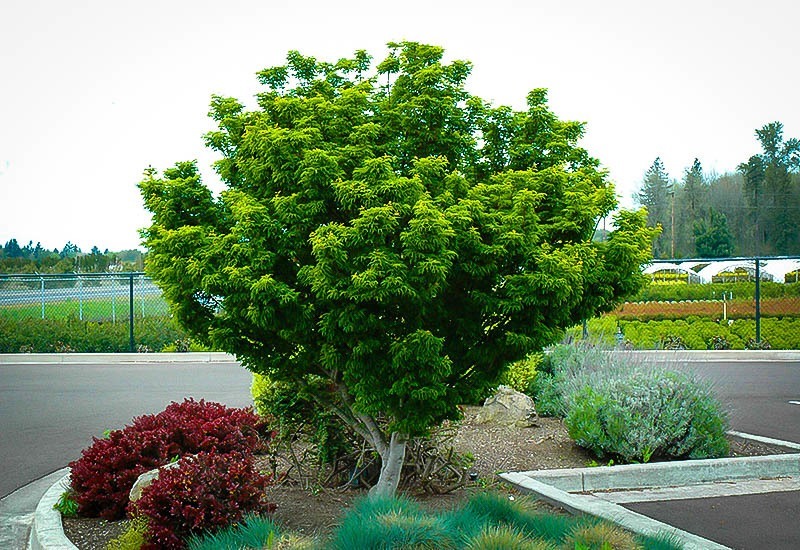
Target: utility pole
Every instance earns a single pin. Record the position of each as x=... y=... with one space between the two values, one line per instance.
x=672 y=223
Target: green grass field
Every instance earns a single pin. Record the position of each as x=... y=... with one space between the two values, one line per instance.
x=90 y=309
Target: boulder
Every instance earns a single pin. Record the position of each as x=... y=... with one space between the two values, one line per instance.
x=508 y=407
x=146 y=479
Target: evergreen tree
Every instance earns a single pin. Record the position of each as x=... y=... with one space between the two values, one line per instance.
x=12 y=249
x=689 y=201
x=712 y=237
x=70 y=250
x=656 y=195
x=768 y=180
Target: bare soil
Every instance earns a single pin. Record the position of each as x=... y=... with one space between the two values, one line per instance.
x=495 y=449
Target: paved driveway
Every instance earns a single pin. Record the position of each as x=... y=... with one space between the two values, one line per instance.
x=49 y=413
x=759 y=394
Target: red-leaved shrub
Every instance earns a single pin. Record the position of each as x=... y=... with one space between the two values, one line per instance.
x=206 y=492
x=104 y=474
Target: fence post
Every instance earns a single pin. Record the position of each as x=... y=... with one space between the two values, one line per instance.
x=758 y=300
x=42 y=280
x=113 y=300
x=130 y=309
x=80 y=298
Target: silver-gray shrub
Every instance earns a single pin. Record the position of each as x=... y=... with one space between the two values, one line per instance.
x=561 y=366
x=619 y=406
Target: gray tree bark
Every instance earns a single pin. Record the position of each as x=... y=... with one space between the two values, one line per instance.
x=392 y=459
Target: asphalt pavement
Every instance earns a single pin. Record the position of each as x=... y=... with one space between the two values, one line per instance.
x=49 y=413
x=744 y=522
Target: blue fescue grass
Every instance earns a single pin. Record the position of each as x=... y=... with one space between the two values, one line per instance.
x=391 y=523
x=252 y=532
x=487 y=521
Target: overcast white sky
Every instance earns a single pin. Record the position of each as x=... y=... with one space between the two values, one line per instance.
x=94 y=91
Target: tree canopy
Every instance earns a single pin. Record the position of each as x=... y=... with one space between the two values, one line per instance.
x=387 y=242
x=761 y=202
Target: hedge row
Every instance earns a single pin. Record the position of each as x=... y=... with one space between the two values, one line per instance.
x=696 y=333
x=72 y=335
x=744 y=290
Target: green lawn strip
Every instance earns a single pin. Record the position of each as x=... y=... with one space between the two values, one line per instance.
x=89 y=309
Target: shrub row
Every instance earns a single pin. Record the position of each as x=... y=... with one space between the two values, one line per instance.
x=106 y=471
x=741 y=291
x=737 y=309
x=628 y=410
x=72 y=335
x=695 y=332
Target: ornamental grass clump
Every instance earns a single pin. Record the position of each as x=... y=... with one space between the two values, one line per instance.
x=488 y=521
x=392 y=523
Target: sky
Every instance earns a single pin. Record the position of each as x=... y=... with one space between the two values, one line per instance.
x=92 y=92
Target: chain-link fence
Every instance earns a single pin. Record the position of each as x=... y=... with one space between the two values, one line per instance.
x=731 y=303
x=85 y=312
x=734 y=303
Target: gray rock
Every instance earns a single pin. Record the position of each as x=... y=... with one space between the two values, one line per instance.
x=508 y=407
x=146 y=479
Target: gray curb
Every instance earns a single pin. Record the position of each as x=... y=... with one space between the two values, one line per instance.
x=47 y=532
x=668 y=474
x=113 y=358
x=588 y=504
x=698 y=356
x=558 y=487
x=219 y=357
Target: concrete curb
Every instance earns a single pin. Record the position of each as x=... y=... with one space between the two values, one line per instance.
x=588 y=504
x=668 y=474
x=558 y=487
x=17 y=510
x=699 y=356
x=114 y=358
x=47 y=532
x=220 y=357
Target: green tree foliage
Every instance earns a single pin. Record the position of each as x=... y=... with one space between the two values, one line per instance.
x=770 y=192
x=388 y=243
x=761 y=201
x=12 y=249
x=712 y=238
x=35 y=259
x=689 y=200
x=656 y=195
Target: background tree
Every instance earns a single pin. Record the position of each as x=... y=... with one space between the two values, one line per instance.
x=387 y=242
x=12 y=249
x=656 y=195
x=712 y=237
x=689 y=202
x=70 y=250
x=780 y=158
x=761 y=201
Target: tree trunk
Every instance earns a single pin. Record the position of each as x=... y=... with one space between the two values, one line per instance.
x=391 y=466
